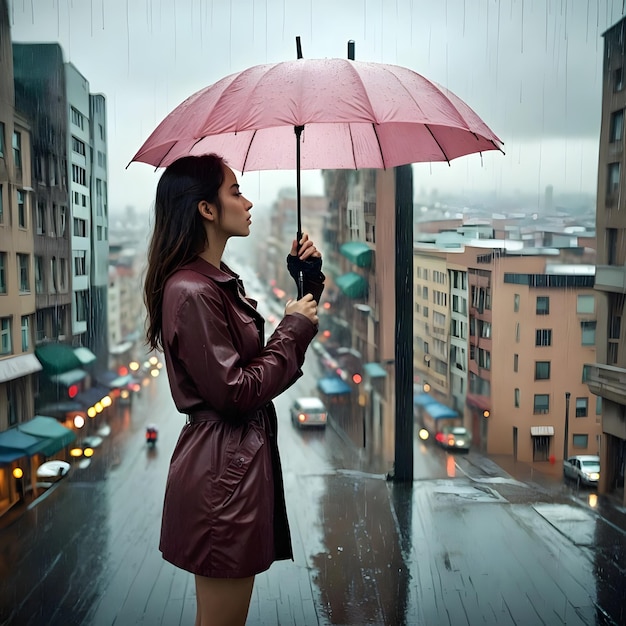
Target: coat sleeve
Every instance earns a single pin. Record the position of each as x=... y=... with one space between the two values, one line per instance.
x=204 y=345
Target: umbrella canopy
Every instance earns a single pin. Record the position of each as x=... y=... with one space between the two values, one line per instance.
x=355 y=115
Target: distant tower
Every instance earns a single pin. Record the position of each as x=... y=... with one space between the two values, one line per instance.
x=548 y=201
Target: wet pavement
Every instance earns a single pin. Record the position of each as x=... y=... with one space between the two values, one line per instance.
x=474 y=540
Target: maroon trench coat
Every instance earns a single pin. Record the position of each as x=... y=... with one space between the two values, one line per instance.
x=224 y=513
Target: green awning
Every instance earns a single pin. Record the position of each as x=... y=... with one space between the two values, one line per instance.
x=15 y=444
x=375 y=370
x=57 y=358
x=357 y=252
x=49 y=429
x=352 y=285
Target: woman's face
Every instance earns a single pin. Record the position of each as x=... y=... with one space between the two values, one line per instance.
x=234 y=220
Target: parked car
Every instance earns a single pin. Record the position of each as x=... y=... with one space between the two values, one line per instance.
x=309 y=412
x=583 y=467
x=52 y=470
x=454 y=438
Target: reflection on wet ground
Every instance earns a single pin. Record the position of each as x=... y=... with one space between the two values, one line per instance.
x=466 y=543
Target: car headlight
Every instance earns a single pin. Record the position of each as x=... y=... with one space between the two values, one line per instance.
x=594 y=476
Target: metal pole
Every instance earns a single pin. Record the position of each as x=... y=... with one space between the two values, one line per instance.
x=565 y=439
x=403 y=466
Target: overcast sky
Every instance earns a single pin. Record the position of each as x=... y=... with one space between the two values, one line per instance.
x=530 y=68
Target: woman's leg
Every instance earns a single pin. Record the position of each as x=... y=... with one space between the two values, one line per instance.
x=223 y=601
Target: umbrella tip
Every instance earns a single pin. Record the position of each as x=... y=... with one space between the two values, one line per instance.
x=298 y=47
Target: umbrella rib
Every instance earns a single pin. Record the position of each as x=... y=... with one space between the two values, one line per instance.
x=380 y=149
x=427 y=127
x=245 y=160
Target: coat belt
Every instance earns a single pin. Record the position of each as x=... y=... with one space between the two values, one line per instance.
x=203 y=416
x=213 y=416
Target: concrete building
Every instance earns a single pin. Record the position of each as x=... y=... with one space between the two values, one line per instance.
x=70 y=150
x=607 y=376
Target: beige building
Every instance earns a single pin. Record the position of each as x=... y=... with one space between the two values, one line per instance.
x=607 y=376
x=431 y=323
x=532 y=329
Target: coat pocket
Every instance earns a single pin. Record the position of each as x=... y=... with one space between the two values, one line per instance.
x=240 y=462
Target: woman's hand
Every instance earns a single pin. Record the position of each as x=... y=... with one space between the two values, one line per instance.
x=305 y=306
x=307 y=249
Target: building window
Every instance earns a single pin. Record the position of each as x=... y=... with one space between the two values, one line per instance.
x=515 y=362
x=516 y=303
x=17 y=150
x=81 y=306
x=425 y=311
x=41 y=218
x=585 y=304
x=541 y=404
x=425 y=293
x=484 y=359
x=612 y=179
x=598 y=405
x=580 y=441
x=543 y=337
x=517 y=398
x=517 y=332
x=80 y=265
x=3 y=272
x=543 y=305
x=39 y=275
x=2 y=148
x=62 y=275
x=78 y=146
x=80 y=227
x=25 y=333
x=618 y=79
x=542 y=370
x=22 y=269
x=616 y=131
x=5 y=335
x=588 y=330
x=77 y=118
x=21 y=209
x=79 y=175
x=1 y=206
x=581 y=407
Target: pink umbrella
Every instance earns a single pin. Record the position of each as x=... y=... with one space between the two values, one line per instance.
x=354 y=115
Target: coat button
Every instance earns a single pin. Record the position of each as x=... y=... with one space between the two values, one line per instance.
x=240 y=461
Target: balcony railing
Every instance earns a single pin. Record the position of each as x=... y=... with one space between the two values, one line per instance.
x=607 y=381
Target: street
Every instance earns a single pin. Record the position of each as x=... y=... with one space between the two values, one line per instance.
x=466 y=544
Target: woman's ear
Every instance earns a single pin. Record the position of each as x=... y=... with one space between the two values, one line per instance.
x=206 y=210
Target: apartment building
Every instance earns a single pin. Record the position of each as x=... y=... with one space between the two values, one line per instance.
x=531 y=331
x=607 y=376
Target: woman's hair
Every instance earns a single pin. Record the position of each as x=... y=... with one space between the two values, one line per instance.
x=178 y=234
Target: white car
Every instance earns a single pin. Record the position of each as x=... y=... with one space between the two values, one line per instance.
x=53 y=470
x=583 y=467
x=309 y=412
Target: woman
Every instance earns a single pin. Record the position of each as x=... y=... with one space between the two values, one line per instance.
x=224 y=515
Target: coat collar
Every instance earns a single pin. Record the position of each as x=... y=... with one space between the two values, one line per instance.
x=222 y=275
